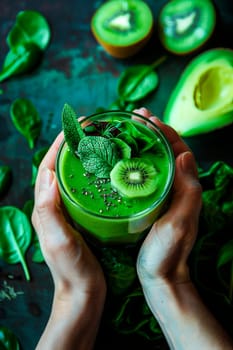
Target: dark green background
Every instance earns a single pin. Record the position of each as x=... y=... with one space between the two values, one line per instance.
x=76 y=70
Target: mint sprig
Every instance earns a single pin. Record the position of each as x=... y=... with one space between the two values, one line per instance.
x=98 y=155
x=73 y=131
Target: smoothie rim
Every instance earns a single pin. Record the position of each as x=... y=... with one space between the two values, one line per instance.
x=169 y=182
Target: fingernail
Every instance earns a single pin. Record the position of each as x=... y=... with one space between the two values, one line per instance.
x=144 y=111
x=46 y=179
x=188 y=164
x=154 y=118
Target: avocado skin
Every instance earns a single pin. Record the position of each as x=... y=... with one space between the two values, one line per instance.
x=182 y=112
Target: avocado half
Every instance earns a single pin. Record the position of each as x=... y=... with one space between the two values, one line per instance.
x=202 y=100
x=122 y=27
x=184 y=26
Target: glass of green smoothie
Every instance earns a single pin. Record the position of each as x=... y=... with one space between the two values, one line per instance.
x=115 y=171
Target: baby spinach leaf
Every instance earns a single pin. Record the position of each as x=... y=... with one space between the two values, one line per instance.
x=218 y=196
x=27 y=40
x=19 y=60
x=8 y=340
x=15 y=236
x=130 y=141
x=98 y=155
x=5 y=179
x=123 y=149
x=26 y=120
x=37 y=255
x=225 y=267
x=73 y=132
x=138 y=81
x=135 y=317
x=36 y=160
x=122 y=105
x=132 y=134
x=30 y=27
x=120 y=269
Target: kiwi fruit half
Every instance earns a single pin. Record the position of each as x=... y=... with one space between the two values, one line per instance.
x=134 y=177
x=185 y=26
x=122 y=27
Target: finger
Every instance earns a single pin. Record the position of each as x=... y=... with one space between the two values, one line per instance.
x=142 y=111
x=176 y=230
x=49 y=159
x=186 y=198
x=47 y=198
x=178 y=145
x=47 y=217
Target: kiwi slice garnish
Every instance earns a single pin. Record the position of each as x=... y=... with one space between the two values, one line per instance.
x=122 y=27
x=134 y=177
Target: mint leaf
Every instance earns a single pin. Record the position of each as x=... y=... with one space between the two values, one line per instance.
x=73 y=132
x=98 y=155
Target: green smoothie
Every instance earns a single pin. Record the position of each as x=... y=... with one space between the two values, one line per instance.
x=99 y=208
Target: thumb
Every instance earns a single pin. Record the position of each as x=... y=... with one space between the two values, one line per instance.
x=46 y=215
x=47 y=196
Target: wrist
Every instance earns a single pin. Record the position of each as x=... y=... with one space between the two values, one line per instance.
x=180 y=311
x=76 y=315
x=78 y=306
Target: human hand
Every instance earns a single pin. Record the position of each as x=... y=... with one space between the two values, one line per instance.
x=162 y=260
x=163 y=254
x=80 y=286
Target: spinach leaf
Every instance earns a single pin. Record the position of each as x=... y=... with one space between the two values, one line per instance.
x=123 y=149
x=37 y=256
x=98 y=155
x=132 y=135
x=122 y=105
x=19 y=60
x=27 y=40
x=15 y=236
x=217 y=197
x=36 y=160
x=225 y=267
x=8 y=340
x=135 y=317
x=5 y=179
x=26 y=120
x=120 y=269
x=138 y=81
x=29 y=27
x=212 y=252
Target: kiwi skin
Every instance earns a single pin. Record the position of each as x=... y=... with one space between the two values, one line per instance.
x=122 y=51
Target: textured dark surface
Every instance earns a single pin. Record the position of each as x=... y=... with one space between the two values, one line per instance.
x=76 y=70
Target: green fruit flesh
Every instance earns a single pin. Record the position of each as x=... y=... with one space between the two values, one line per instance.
x=134 y=177
x=122 y=23
x=185 y=25
x=202 y=100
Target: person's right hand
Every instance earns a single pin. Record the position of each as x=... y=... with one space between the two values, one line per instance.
x=162 y=260
x=163 y=254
